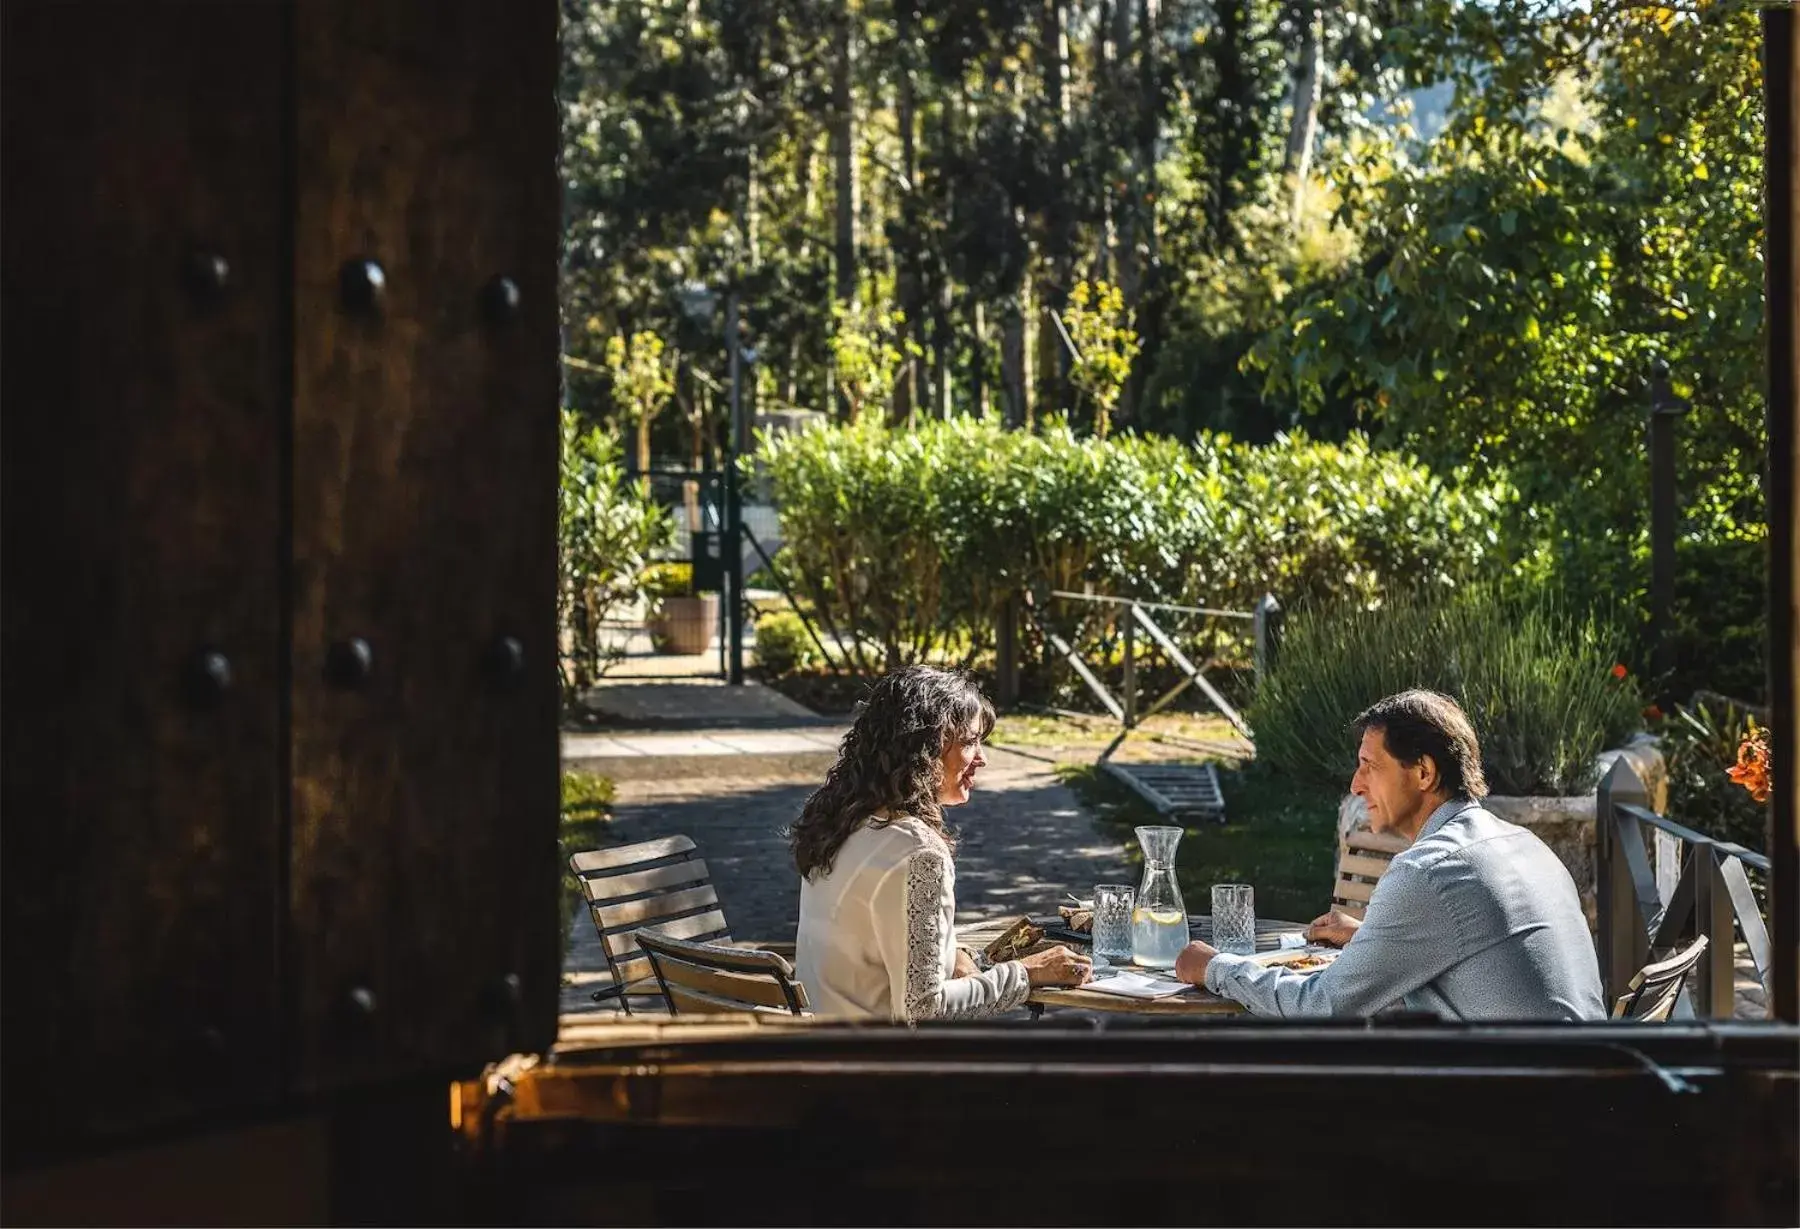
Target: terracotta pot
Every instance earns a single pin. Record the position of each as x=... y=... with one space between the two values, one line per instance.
x=685 y=625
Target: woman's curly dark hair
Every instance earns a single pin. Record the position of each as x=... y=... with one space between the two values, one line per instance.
x=891 y=761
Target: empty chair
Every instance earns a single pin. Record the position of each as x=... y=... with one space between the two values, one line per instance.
x=1654 y=989
x=663 y=883
x=1363 y=857
x=705 y=978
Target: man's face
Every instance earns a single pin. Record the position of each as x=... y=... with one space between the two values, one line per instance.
x=1393 y=791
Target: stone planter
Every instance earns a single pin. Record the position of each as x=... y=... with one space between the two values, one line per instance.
x=684 y=625
x=1566 y=823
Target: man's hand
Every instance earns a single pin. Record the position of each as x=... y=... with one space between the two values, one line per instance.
x=965 y=964
x=1190 y=966
x=1333 y=929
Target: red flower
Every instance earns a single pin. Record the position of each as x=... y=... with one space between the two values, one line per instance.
x=1619 y=671
x=1653 y=713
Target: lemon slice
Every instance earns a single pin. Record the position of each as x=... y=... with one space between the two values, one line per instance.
x=1162 y=917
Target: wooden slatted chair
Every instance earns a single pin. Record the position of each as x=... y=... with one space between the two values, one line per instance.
x=1653 y=991
x=707 y=979
x=663 y=883
x=1363 y=857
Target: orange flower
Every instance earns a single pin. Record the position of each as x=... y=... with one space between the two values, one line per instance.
x=1752 y=768
x=1619 y=671
x=1653 y=713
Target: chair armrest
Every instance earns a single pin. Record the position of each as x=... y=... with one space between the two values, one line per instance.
x=784 y=950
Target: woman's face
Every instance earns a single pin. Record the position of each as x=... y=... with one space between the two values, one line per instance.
x=962 y=760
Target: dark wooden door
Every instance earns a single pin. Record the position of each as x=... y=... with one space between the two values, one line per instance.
x=425 y=773
x=145 y=272
x=244 y=861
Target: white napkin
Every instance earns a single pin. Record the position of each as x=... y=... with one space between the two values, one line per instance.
x=1135 y=985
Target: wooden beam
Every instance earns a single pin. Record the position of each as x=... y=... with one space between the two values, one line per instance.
x=1781 y=210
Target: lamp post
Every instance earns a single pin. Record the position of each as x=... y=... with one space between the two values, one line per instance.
x=698 y=302
x=734 y=511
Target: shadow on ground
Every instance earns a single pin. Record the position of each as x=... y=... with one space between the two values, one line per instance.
x=1024 y=841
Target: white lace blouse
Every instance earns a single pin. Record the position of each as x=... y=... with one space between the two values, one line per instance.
x=877 y=935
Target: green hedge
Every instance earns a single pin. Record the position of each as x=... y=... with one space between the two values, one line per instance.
x=910 y=540
x=1541 y=685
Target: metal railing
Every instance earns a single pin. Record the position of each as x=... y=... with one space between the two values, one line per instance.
x=1130 y=618
x=1660 y=884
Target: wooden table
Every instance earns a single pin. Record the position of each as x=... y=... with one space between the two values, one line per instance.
x=1195 y=1002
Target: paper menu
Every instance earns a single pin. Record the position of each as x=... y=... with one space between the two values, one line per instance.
x=1135 y=985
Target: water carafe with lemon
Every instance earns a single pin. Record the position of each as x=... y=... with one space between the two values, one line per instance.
x=1159 y=920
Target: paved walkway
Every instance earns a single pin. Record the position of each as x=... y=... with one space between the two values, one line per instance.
x=1025 y=842
x=698 y=703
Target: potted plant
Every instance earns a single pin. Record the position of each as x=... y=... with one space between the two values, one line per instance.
x=680 y=620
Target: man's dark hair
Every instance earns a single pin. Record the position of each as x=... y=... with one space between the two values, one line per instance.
x=1418 y=723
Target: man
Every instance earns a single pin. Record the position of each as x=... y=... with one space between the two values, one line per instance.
x=1476 y=920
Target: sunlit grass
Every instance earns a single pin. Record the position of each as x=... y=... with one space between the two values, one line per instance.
x=1281 y=838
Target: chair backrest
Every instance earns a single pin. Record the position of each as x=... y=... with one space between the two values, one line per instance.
x=1363 y=857
x=1652 y=994
x=663 y=883
x=701 y=978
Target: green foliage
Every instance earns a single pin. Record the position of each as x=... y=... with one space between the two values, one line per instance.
x=586 y=812
x=783 y=645
x=867 y=350
x=672 y=578
x=640 y=375
x=1720 y=636
x=1519 y=279
x=1536 y=679
x=1280 y=836
x=641 y=385
x=1101 y=328
x=1699 y=744
x=606 y=528
x=1227 y=301
x=910 y=541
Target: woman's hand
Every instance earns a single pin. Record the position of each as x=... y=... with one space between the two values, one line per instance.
x=1333 y=929
x=965 y=964
x=1057 y=966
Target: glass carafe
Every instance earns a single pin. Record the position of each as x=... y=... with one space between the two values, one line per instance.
x=1159 y=919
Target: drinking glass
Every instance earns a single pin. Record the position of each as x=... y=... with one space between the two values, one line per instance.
x=1112 y=923
x=1234 y=918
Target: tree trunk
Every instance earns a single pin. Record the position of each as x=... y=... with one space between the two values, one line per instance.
x=843 y=150
x=1012 y=363
x=1303 y=127
x=978 y=359
x=1054 y=276
x=907 y=280
x=1105 y=90
x=1228 y=61
x=1137 y=220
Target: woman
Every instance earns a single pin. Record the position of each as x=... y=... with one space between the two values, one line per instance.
x=877 y=886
